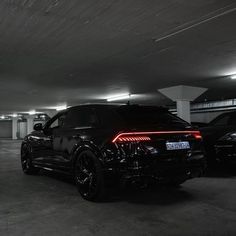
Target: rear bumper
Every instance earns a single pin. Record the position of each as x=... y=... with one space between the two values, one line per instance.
x=161 y=169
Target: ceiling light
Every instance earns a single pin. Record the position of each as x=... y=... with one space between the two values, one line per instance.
x=118 y=97
x=14 y=115
x=233 y=76
x=2 y=117
x=60 y=108
x=32 y=112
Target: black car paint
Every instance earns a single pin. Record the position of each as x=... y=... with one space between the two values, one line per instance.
x=225 y=148
x=213 y=132
x=57 y=149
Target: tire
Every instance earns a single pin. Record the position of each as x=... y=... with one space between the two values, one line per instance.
x=89 y=177
x=26 y=161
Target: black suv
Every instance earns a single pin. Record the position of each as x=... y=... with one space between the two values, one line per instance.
x=103 y=145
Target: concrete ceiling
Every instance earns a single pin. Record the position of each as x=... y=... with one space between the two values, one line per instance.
x=60 y=51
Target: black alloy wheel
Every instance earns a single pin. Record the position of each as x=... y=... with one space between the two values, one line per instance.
x=26 y=161
x=89 y=177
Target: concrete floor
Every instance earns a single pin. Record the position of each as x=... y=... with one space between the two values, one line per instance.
x=49 y=204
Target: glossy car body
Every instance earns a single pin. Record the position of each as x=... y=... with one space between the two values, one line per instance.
x=225 y=148
x=216 y=129
x=117 y=143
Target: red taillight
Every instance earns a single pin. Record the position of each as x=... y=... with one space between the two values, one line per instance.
x=197 y=134
x=144 y=136
x=132 y=138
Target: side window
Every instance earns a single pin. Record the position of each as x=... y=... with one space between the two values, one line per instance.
x=58 y=122
x=222 y=120
x=109 y=117
x=81 y=117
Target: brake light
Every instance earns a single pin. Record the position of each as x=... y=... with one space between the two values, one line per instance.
x=126 y=138
x=197 y=135
x=144 y=136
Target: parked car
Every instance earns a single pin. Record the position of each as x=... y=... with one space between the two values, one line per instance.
x=225 y=148
x=216 y=129
x=101 y=145
x=199 y=124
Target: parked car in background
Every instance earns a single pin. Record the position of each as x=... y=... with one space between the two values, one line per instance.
x=106 y=144
x=199 y=124
x=216 y=129
x=225 y=148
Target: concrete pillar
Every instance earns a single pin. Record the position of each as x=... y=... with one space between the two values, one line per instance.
x=183 y=95
x=183 y=110
x=30 y=124
x=14 y=127
x=51 y=112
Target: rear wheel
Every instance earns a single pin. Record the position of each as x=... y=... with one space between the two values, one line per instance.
x=89 y=177
x=26 y=161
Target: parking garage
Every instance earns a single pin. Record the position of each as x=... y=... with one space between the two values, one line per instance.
x=176 y=55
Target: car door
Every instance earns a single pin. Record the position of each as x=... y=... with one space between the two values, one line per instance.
x=51 y=129
x=40 y=146
x=79 y=126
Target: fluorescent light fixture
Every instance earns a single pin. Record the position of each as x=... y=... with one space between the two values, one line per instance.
x=119 y=97
x=233 y=76
x=2 y=117
x=32 y=112
x=14 y=115
x=60 y=108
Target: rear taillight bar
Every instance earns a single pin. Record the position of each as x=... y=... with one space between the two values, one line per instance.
x=143 y=136
x=132 y=138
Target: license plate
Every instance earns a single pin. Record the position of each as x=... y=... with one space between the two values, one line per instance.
x=177 y=145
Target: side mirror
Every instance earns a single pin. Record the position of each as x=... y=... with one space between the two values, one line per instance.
x=38 y=126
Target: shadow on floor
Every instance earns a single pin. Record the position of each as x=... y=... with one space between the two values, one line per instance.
x=58 y=176
x=155 y=194
x=222 y=170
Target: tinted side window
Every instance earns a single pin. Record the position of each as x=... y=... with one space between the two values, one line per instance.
x=58 y=122
x=109 y=117
x=81 y=117
x=142 y=115
x=221 y=120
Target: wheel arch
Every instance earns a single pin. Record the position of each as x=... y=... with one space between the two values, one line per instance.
x=24 y=143
x=86 y=146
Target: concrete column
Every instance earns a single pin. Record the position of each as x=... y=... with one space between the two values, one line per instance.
x=183 y=110
x=51 y=112
x=183 y=95
x=30 y=124
x=14 y=127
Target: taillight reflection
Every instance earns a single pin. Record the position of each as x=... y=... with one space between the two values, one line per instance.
x=197 y=135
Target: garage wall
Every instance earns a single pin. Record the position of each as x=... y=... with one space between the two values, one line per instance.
x=5 y=129
x=205 y=116
x=22 y=129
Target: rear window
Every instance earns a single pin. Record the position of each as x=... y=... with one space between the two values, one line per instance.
x=148 y=115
